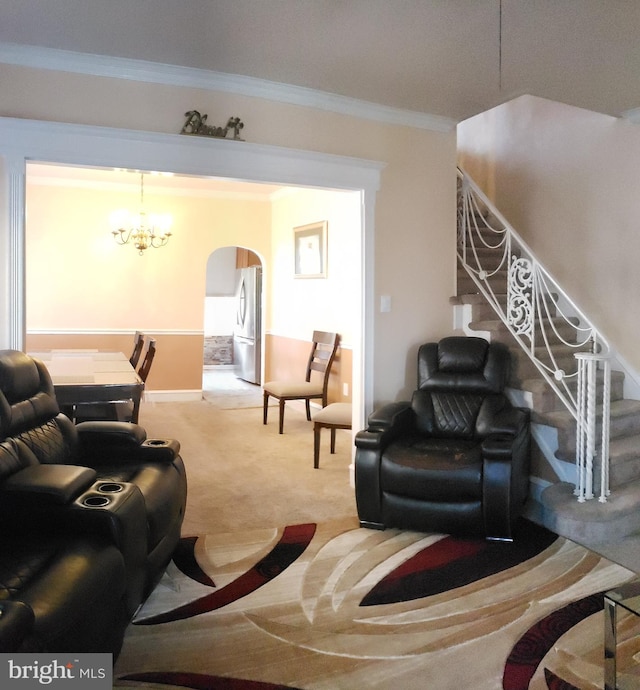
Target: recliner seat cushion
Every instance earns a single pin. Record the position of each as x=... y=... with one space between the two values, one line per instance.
x=74 y=586
x=432 y=469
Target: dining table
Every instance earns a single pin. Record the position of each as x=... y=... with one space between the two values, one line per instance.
x=82 y=376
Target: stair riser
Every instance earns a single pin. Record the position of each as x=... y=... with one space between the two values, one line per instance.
x=619 y=428
x=523 y=368
x=557 y=336
x=498 y=284
x=621 y=473
x=548 y=400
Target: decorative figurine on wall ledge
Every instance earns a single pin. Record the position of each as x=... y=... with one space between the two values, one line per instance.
x=196 y=124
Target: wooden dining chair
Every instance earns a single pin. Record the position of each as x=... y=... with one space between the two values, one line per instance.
x=138 y=346
x=121 y=410
x=143 y=373
x=316 y=380
x=334 y=416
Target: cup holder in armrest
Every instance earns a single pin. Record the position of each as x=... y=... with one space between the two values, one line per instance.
x=95 y=501
x=159 y=449
x=110 y=487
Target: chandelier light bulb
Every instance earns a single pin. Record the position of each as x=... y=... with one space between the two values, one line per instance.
x=141 y=229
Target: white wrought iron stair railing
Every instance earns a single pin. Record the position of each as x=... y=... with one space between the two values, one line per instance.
x=545 y=322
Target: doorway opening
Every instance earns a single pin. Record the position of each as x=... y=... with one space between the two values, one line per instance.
x=233 y=332
x=24 y=141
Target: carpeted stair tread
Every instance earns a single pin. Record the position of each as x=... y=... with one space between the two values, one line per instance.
x=591 y=522
x=622 y=411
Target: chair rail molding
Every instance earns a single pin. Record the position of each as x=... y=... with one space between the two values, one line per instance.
x=23 y=140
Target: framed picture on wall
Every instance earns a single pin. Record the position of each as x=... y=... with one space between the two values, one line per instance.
x=310 y=250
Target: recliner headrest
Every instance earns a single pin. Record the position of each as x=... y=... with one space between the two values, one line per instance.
x=462 y=355
x=463 y=363
x=27 y=397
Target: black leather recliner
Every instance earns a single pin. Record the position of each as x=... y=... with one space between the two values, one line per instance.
x=455 y=459
x=89 y=518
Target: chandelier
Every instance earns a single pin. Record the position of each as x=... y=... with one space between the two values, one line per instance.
x=141 y=229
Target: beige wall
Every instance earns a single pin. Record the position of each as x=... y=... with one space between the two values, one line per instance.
x=172 y=368
x=415 y=210
x=566 y=179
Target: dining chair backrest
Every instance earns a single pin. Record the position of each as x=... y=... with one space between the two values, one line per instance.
x=138 y=345
x=143 y=372
x=323 y=352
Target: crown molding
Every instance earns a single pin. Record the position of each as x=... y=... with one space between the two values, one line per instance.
x=189 y=77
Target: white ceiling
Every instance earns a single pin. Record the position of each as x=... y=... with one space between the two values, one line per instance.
x=448 y=58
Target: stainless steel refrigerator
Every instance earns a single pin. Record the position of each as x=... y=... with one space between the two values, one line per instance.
x=247 y=334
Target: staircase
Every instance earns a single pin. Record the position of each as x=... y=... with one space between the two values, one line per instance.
x=481 y=302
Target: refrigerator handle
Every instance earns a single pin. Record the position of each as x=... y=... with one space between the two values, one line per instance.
x=242 y=303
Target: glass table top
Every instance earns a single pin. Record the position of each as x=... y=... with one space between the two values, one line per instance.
x=627 y=596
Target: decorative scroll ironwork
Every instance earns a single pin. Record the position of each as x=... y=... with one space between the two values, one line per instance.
x=544 y=321
x=520 y=296
x=197 y=124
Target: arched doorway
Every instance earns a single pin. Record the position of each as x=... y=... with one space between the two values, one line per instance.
x=233 y=333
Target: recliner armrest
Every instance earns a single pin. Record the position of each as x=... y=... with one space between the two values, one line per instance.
x=499 y=416
x=498 y=446
x=369 y=440
x=385 y=424
x=390 y=415
x=106 y=442
x=56 y=484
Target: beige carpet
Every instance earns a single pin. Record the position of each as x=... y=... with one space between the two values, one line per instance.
x=242 y=473
x=305 y=627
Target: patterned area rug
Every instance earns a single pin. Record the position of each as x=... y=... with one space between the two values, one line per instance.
x=333 y=606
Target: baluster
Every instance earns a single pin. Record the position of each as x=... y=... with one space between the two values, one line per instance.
x=606 y=424
x=580 y=436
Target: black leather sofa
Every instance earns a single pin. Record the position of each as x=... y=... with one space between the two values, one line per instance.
x=453 y=459
x=89 y=517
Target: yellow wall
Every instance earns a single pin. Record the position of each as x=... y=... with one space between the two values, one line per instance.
x=79 y=278
x=415 y=233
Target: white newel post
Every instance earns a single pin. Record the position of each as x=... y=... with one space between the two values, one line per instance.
x=586 y=425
